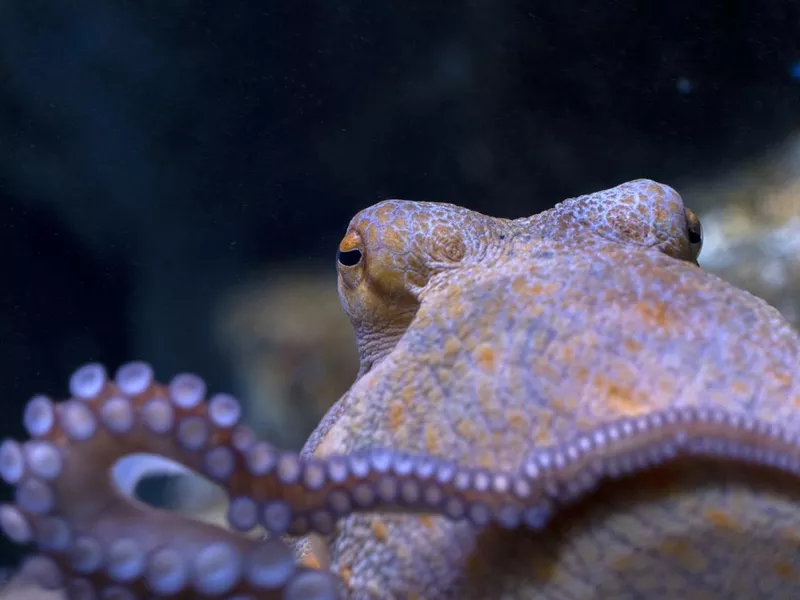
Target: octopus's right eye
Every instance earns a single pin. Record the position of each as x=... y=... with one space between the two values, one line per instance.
x=695 y=232
x=348 y=258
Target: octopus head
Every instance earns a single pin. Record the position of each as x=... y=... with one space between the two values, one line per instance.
x=391 y=253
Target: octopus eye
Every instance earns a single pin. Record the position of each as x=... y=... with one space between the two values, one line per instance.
x=348 y=258
x=695 y=231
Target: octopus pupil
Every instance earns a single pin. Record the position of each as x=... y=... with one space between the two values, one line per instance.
x=349 y=258
x=694 y=236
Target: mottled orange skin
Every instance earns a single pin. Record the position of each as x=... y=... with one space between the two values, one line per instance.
x=484 y=338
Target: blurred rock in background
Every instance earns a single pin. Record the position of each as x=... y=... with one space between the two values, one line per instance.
x=291 y=349
x=751 y=224
x=292 y=354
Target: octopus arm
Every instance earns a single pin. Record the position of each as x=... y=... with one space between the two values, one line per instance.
x=93 y=536
x=93 y=539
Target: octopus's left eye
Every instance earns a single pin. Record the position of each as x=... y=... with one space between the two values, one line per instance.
x=348 y=258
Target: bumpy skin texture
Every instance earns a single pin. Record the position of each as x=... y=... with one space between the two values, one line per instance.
x=559 y=407
x=522 y=334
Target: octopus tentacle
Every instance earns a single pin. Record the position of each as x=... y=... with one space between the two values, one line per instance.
x=565 y=473
x=94 y=540
x=298 y=497
x=95 y=537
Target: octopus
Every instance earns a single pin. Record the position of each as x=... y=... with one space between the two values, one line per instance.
x=563 y=406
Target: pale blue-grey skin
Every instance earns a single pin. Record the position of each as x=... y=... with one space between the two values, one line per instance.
x=482 y=339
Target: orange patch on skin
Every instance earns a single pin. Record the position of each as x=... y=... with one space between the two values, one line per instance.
x=661 y=214
x=466 y=429
x=619 y=397
x=517 y=422
x=543 y=437
x=372 y=236
x=324 y=448
x=632 y=345
x=719 y=518
x=581 y=375
x=458 y=310
x=566 y=354
x=543 y=289
x=408 y=394
x=784 y=570
x=684 y=553
x=397 y=416
x=543 y=431
x=486 y=460
x=622 y=562
x=739 y=387
x=485 y=356
x=346 y=574
x=379 y=531
x=451 y=347
x=350 y=241
x=654 y=314
x=310 y=561
x=486 y=398
x=431 y=439
x=790 y=534
x=519 y=285
x=426 y=521
x=782 y=378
